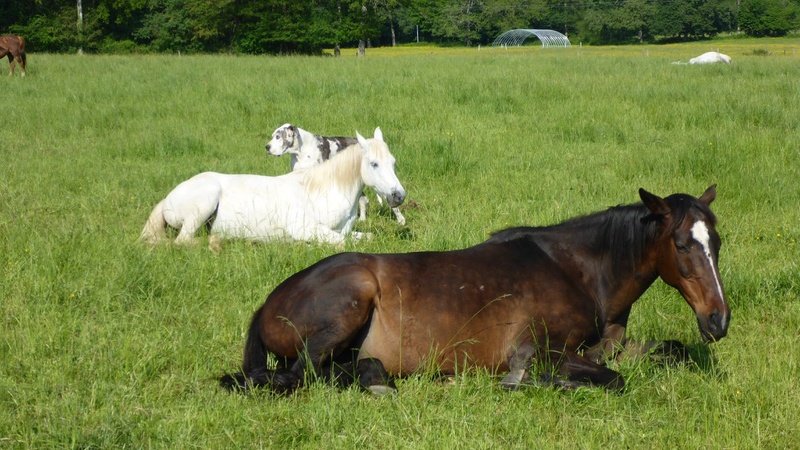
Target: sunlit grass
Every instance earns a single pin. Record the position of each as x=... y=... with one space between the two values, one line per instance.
x=106 y=343
x=733 y=46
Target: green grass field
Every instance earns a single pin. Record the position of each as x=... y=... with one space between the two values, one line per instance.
x=107 y=343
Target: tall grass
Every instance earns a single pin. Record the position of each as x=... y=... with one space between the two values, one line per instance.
x=106 y=343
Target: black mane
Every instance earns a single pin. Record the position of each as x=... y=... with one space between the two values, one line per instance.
x=621 y=232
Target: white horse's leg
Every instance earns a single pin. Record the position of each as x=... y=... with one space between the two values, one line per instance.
x=399 y=216
x=363 y=201
x=311 y=231
x=324 y=234
x=189 y=228
x=195 y=221
x=214 y=243
x=191 y=204
x=358 y=236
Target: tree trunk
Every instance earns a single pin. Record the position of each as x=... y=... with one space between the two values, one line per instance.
x=361 y=42
x=80 y=27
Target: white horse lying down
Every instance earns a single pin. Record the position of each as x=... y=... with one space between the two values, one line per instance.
x=308 y=150
x=711 y=58
x=313 y=204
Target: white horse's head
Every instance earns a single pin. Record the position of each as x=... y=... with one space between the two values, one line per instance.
x=284 y=140
x=377 y=169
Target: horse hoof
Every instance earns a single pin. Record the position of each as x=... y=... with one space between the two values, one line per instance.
x=357 y=236
x=515 y=379
x=214 y=243
x=379 y=390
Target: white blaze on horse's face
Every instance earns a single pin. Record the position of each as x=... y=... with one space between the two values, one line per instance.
x=283 y=141
x=700 y=234
x=696 y=257
x=377 y=169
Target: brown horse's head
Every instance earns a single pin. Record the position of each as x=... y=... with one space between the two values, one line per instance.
x=688 y=254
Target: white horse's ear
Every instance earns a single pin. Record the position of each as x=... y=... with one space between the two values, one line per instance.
x=362 y=141
x=378 y=134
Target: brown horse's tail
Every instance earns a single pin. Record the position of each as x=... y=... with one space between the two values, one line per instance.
x=155 y=229
x=254 y=371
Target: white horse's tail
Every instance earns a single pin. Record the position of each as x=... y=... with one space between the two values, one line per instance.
x=155 y=229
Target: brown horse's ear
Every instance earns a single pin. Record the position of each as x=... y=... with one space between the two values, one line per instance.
x=709 y=195
x=654 y=203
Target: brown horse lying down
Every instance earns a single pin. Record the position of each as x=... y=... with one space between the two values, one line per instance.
x=14 y=47
x=557 y=296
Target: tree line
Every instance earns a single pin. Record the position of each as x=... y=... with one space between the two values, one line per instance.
x=308 y=26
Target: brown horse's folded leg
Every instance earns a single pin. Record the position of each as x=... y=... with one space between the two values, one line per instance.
x=339 y=374
x=373 y=377
x=519 y=367
x=580 y=371
x=281 y=381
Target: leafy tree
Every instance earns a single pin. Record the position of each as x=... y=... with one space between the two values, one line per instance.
x=390 y=13
x=768 y=17
x=424 y=16
x=274 y=26
x=214 y=22
x=618 y=22
x=55 y=32
x=692 y=19
x=503 y=15
x=362 y=22
x=167 y=27
x=307 y=26
x=14 y=13
x=560 y=15
x=461 y=20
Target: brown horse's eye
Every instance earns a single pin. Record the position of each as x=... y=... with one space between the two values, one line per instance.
x=682 y=248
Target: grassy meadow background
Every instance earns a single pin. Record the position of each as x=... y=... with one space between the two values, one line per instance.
x=107 y=343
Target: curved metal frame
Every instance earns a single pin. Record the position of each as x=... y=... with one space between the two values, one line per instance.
x=549 y=38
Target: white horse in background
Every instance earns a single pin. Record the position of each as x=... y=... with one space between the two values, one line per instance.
x=316 y=204
x=307 y=150
x=711 y=58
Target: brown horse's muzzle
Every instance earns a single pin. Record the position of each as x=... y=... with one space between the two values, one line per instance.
x=714 y=326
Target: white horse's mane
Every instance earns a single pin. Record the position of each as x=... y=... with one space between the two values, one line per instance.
x=343 y=170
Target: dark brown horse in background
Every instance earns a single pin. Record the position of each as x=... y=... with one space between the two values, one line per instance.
x=14 y=47
x=558 y=297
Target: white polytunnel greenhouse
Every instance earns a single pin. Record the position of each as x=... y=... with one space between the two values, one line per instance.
x=549 y=38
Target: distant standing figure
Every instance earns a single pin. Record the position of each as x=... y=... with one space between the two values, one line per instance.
x=14 y=47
